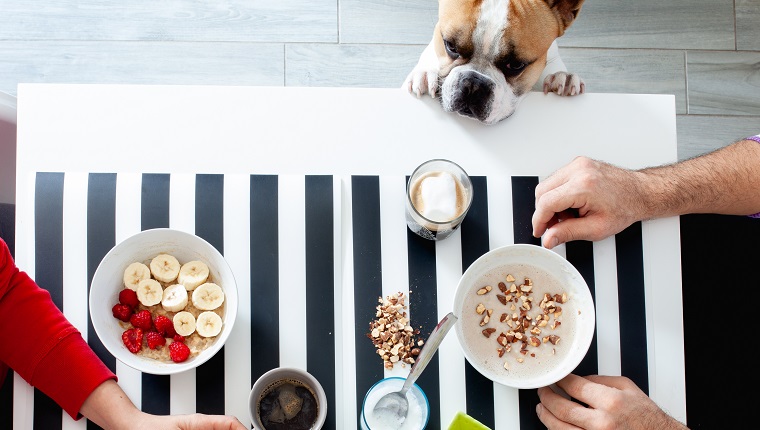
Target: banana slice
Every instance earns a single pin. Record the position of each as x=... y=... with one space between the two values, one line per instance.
x=149 y=292
x=164 y=267
x=208 y=296
x=192 y=274
x=135 y=273
x=175 y=298
x=184 y=323
x=208 y=324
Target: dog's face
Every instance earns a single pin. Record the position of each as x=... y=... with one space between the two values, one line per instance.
x=492 y=52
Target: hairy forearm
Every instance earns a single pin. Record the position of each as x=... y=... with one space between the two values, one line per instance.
x=726 y=181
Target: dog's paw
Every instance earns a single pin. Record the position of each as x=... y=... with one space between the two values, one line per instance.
x=564 y=84
x=421 y=81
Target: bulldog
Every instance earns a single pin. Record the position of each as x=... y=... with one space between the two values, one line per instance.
x=486 y=55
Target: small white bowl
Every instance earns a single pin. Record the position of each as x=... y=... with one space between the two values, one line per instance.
x=547 y=270
x=107 y=282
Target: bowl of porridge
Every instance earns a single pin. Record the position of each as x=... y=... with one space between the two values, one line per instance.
x=526 y=316
x=163 y=301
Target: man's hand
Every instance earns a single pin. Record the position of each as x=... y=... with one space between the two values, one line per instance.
x=587 y=200
x=614 y=402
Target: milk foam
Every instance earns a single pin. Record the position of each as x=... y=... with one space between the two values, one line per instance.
x=547 y=356
x=438 y=196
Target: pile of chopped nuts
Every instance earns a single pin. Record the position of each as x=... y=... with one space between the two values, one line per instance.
x=521 y=326
x=391 y=332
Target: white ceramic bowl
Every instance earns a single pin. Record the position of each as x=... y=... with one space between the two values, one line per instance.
x=547 y=270
x=108 y=282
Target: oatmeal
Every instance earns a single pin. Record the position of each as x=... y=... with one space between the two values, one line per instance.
x=164 y=303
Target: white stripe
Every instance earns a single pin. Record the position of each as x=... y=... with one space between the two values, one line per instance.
x=350 y=416
x=182 y=217
x=607 y=308
x=23 y=393
x=500 y=217
x=182 y=202
x=339 y=406
x=501 y=233
x=128 y=223
x=237 y=349
x=661 y=240
x=292 y=224
x=393 y=251
x=448 y=263
x=75 y=306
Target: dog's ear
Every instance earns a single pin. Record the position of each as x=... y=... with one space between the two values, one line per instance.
x=566 y=10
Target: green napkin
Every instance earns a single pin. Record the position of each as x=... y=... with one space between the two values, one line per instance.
x=462 y=421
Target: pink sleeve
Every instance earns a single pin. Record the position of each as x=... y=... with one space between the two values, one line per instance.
x=41 y=345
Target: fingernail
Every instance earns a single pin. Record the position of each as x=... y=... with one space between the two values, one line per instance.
x=539 y=409
x=554 y=242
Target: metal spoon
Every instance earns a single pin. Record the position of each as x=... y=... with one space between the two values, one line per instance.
x=392 y=408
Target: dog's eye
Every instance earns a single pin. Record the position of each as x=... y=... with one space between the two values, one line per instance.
x=515 y=66
x=451 y=49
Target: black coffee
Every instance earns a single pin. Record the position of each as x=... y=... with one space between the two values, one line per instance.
x=288 y=405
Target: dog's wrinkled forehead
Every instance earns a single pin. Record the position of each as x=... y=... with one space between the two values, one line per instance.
x=492 y=21
x=485 y=31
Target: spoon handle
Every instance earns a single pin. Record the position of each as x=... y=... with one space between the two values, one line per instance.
x=429 y=349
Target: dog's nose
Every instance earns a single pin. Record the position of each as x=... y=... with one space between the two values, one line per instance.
x=475 y=95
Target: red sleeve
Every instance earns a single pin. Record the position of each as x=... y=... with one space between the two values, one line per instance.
x=41 y=345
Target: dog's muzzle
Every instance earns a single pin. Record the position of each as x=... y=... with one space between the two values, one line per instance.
x=473 y=95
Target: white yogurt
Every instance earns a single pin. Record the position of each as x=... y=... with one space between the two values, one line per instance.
x=417 y=415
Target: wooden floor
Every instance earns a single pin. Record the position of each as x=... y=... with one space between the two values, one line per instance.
x=705 y=52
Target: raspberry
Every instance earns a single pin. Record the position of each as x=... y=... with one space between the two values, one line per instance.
x=142 y=320
x=164 y=325
x=132 y=339
x=155 y=339
x=178 y=338
x=179 y=352
x=128 y=297
x=121 y=312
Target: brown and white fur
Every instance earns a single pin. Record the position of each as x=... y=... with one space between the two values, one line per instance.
x=486 y=55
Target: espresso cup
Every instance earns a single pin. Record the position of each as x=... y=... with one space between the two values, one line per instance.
x=286 y=382
x=438 y=196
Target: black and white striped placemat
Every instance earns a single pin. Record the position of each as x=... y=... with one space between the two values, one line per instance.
x=311 y=255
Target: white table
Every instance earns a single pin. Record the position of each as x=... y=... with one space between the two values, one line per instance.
x=330 y=155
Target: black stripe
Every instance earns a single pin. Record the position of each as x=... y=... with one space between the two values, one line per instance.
x=48 y=262
x=320 y=287
x=581 y=255
x=423 y=307
x=209 y=225
x=523 y=206
x=154 y=213
x=632 y=304
x=368 y=287
x=101 y=237
x=6 y=401
x=265 y=277
x=718 y=252
x=475 y=242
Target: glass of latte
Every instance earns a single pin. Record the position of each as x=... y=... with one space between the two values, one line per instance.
x=438 y=195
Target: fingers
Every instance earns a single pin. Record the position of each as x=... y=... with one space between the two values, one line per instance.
x=619 y=382
x=559 y=413
x=552 y=202
x=211 y=422
x=585 y=390
x=550 y=421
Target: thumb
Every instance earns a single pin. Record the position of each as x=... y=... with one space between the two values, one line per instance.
x=568 y=231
